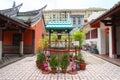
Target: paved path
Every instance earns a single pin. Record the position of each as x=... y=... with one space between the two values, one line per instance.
x=25 y=69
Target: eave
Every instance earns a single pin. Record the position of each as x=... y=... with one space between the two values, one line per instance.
x=109 y=13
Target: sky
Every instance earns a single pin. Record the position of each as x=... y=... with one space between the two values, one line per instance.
x=58 y=4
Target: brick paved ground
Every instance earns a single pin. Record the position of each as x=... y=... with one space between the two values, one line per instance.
x=25 y=69
x=10 y=58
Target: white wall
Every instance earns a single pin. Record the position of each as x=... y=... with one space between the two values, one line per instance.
x=101 y=41
x=0 y=50
x=110 y=43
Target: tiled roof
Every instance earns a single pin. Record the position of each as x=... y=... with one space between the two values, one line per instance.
x=28 y=17
x=95 y=15
x=11 y=11
x=59 y=26
x=107 y=13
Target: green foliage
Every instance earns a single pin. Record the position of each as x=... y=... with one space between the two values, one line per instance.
x=54 y=62
x=64 y=63
x=39 y=50
x=71 y=37
x=80 y=59
x=79 y=36
x=54 y=36
x=45 y=42
x=64 y=37
x=41 y=58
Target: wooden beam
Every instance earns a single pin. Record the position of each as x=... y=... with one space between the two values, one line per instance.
x=3 y=28
x=105 y=21
x=10 y=20
x=108 y=24
x=110 y=13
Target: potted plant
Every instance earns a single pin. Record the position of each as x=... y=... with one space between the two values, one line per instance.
x=54 y=63
x=40 y=60
x=79 y=36
x=81 y=62
x=64 y=63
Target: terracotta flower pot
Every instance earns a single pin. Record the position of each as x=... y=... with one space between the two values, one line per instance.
x=53 y=70
x=42 y=67
x=39 y=66
x=64 y=70
x=82 y=66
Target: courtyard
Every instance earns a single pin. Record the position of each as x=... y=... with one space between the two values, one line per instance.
x=97 y=69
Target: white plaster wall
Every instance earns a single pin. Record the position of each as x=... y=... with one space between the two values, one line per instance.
x=21 y=48
x=110 y=42
x=102 y=39
x=0 y=50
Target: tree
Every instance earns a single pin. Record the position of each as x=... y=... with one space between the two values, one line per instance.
x=79 y=36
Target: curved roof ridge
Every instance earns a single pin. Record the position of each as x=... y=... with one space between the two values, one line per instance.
x=33 y=12
x=11 y=11
x=37 y=17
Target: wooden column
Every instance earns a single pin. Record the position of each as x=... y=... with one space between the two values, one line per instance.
x=68 y=42
x=33 y=42
x=113 y=38
x=50 y=39
x=21 y=45
x=1 y=45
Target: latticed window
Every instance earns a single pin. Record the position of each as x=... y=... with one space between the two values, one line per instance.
x=16 y=39
x=94 y=33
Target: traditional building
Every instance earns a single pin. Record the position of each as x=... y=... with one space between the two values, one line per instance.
x=92 y=36
x=20 y=32
x=108 y=30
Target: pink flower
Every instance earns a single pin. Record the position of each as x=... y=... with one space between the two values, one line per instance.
x=46 y=66
x=73 y=67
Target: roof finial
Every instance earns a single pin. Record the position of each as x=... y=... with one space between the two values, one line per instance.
x=14 y=4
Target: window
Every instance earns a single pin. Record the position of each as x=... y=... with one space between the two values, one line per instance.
x=79 y=21
x=74 y=21
x=94 y=33
x=53 y=15
x=16 y=39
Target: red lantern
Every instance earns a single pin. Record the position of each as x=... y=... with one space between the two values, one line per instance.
x=107 y=31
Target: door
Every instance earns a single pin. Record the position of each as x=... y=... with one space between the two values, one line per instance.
x=16 y=39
